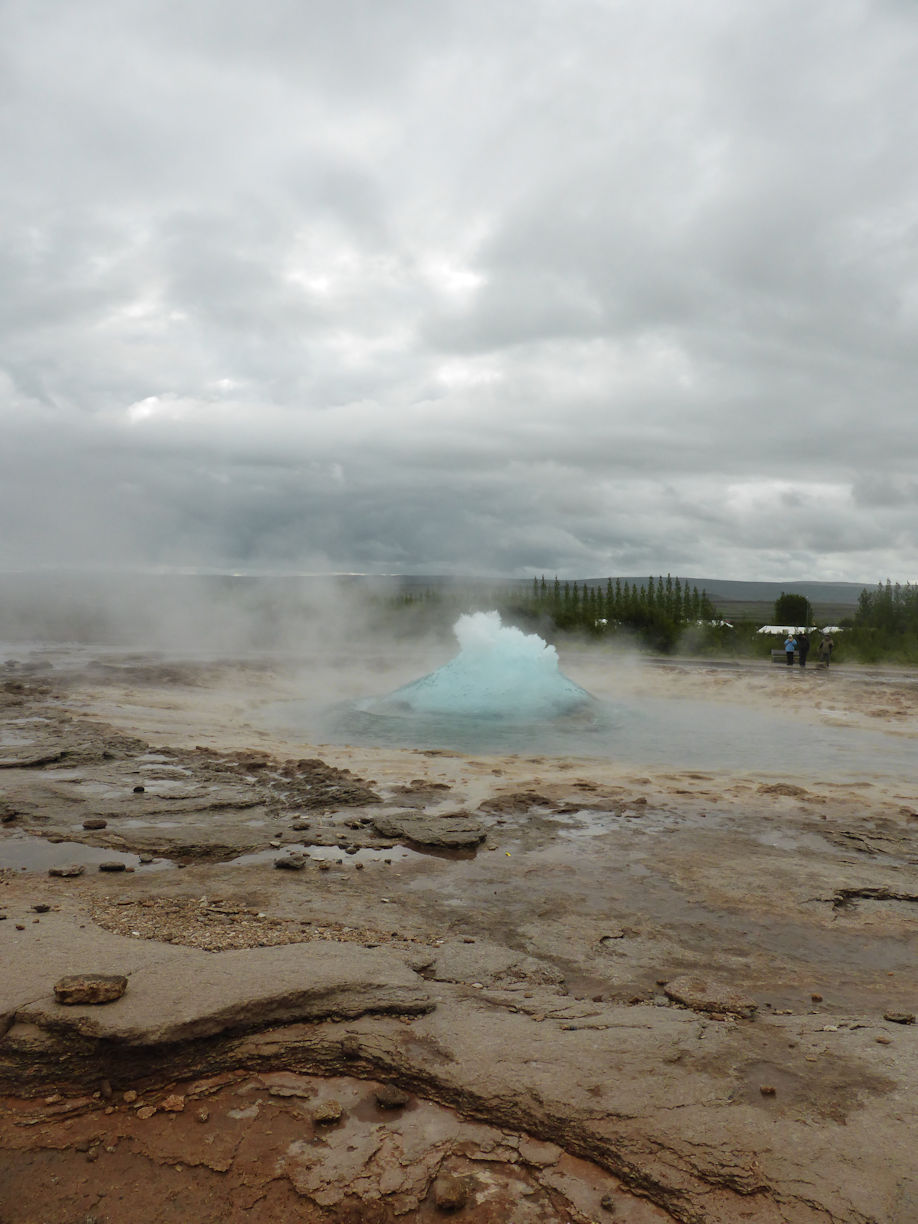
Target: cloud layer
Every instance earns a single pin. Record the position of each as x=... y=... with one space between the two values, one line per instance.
x=569 y=287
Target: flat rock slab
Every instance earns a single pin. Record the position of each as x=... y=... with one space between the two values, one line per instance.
x=488 y=964
x=451 y=832
x=177 y=994
x=91 y=988
x=703 y=995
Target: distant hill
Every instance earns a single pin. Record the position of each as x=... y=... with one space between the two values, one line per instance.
x=845 y=593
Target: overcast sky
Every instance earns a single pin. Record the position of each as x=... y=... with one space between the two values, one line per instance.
x=574 y=287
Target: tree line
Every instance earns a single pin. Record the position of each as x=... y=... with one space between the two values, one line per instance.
x=885 y=624
x=665 y=614
x=599 y=607
x=656 y=612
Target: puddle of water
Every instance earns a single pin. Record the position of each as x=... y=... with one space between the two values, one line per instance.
x=677 y=734
x=23 y=853
x=332 y=854
x=164 y=786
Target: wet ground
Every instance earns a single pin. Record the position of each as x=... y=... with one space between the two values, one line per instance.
x=740 y=843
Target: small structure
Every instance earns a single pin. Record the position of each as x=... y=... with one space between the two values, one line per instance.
x=784 y=630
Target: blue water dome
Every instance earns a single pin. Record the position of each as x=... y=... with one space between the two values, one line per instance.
x=500 y=672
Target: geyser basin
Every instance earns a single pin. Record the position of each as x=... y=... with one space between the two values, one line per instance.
x=499 y=673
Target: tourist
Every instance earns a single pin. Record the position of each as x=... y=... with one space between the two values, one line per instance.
x=803 y=648
x=826 y=646
x=790 y=645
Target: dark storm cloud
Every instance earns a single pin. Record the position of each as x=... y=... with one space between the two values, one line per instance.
x=575 y=288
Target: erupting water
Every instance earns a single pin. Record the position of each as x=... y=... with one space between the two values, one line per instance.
x=500 y=672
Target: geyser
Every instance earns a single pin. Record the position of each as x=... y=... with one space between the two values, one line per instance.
x=500 y=672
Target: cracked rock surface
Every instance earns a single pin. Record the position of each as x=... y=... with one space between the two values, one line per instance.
x=674 y=996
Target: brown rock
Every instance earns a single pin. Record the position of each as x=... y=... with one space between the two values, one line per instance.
x=95 y=822
x=452 y=830
x=71 y=869
x=350 y=1047
x=173 y=1104
x=327 y=1113
x=90 y=988
x=708 y=996
x=390 y=1097
x=111 y=865
x=146 y=1111
x=896 y=1017
x=291 y=862
x=450 y=1192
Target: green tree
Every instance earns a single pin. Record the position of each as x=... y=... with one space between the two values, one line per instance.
x=791 y=609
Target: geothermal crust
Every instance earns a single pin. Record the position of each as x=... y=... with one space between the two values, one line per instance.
x=512 y=988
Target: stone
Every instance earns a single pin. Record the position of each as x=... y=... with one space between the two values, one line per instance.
x=91 y=988
x=390 y=1097
x=456 y=830
x=95 y=822
x=173 y=1104
x=328 y=1113
x=139 y=790
x=709 y=996
x=112 y=865
x=897 y=1017
x=67 y=871
x=291 y=862
x=41 y=908
x=146 y=1111
x=451 y=1193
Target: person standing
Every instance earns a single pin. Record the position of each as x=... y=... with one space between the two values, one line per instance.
x=803 y=647
x=790 y=645
x=825 y=649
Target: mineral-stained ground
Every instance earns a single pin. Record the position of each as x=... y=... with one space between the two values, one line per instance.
x=378 y=984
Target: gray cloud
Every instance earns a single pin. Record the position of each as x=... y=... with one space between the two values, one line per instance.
x=512 y=288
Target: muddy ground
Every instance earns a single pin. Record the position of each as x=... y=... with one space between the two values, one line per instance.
x=378 y=984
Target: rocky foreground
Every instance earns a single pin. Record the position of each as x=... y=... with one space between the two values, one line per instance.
x=362 y=985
